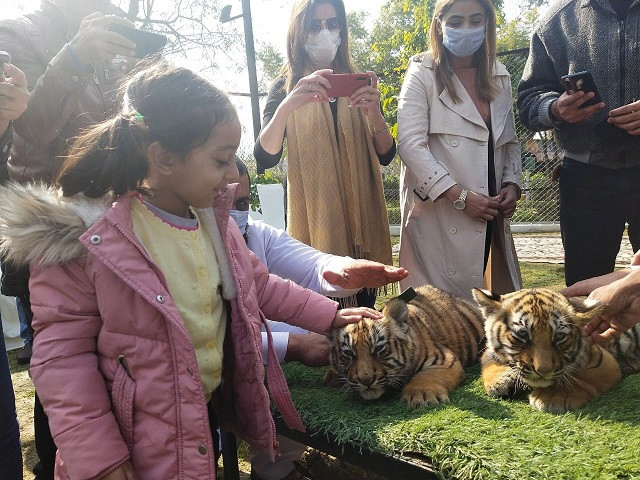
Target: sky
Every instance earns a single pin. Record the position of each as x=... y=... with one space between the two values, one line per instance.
x=270 y=21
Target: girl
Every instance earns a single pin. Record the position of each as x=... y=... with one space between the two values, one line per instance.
x=334 y=149
x=147 y=304
x=461 y=170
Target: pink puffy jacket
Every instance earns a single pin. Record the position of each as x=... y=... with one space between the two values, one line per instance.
x=113 y=363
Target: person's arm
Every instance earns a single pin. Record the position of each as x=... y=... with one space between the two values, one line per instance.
x=274 y=99
x=57 y=88
x=15 y=98
x=312 y=88
x=539 y=88
x=64 y=368
x=298 y=262
x=510 y=188
x=623 y=308
x=433 y=179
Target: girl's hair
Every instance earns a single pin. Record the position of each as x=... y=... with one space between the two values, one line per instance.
x=159 y=103
x=298 y=62
x=484 y=58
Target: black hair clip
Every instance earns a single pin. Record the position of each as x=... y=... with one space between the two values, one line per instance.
x=408 y=295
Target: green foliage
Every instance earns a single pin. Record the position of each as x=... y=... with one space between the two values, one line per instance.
x=268 y=177
x=271 y=60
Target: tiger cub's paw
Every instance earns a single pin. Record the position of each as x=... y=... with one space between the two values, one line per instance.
x=499 y=381
x=416 y=396
x=558 y=401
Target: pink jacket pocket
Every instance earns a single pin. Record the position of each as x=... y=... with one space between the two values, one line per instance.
x=122 y=395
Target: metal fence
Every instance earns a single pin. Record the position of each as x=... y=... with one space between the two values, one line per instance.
x=539 y=154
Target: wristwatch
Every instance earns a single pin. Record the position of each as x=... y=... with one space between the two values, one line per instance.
x=459 y=203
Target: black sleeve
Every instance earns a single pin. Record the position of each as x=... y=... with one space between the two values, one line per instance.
x=540 y=83
x=5 y=144
x=387 y=157
x=274 y=99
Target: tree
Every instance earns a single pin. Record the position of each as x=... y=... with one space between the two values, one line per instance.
x=193 y=28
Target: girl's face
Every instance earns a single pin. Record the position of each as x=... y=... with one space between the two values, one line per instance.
x=207 y=169
x=464 y=14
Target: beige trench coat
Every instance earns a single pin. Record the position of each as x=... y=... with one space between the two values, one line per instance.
x=442 y=143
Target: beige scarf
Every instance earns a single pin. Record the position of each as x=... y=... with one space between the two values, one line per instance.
x=335 y=195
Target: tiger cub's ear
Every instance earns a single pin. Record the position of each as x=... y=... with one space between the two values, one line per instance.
x=488 y=301
x=396 y=309
x=586 y=309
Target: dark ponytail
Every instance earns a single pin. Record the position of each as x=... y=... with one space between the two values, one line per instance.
x=160 y=103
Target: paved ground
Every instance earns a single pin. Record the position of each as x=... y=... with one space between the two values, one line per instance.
x=547 y=247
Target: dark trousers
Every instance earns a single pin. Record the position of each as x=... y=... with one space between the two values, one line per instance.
x=10 y=449
x=45 y=447
x=595 y=204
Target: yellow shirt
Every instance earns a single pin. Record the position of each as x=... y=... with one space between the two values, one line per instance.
x=189 y=264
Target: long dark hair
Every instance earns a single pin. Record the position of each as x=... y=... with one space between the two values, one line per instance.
x=484 y=59
x=298 y=61
x=160 y=103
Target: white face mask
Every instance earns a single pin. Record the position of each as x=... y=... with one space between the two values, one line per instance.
x=463 y=42
x=242 y=218
x=322 y=48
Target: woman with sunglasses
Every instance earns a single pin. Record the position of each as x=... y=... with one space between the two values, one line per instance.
x=461 y=170
x=335 y=199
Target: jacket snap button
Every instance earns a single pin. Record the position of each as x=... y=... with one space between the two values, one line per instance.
x=160 y=299
x=453 y=230
x=454 y=143
x=202 y=449
x=451 y=271
x=96 y=239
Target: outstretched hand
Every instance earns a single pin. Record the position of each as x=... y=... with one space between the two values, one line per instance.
x=365 y=274
x=623 y=309
x=354 y=315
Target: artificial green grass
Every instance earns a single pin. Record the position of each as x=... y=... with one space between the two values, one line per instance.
x=477 y=437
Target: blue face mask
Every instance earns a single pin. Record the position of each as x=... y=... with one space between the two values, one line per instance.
x=242 y=218
x=463 y=42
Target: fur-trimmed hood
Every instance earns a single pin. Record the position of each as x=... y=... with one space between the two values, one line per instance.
x=37 y=223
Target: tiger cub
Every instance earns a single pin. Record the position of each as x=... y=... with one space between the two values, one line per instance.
x=421 y=345
x=535 y=341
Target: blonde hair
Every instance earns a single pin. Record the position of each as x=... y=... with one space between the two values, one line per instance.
x=484 y=58
x=298 y=61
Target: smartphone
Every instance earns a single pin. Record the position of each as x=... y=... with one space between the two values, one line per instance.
x=147 y=43
x=344 y=84
x=581 y=81
x=4 y=57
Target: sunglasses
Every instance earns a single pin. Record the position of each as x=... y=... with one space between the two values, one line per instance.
x=332 y=24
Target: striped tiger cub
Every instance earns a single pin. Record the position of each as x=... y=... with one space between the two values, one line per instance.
x=420 y=346
x=535 y=341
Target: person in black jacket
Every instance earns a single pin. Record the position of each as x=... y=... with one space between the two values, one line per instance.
x=601 y=142
x=14 y=97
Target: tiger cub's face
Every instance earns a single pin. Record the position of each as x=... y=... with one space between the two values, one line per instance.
x=538 y=333
x=370 y=357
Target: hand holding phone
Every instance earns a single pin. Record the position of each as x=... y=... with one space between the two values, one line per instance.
x=147 y=43
x=575 y=82
x=344 y=84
